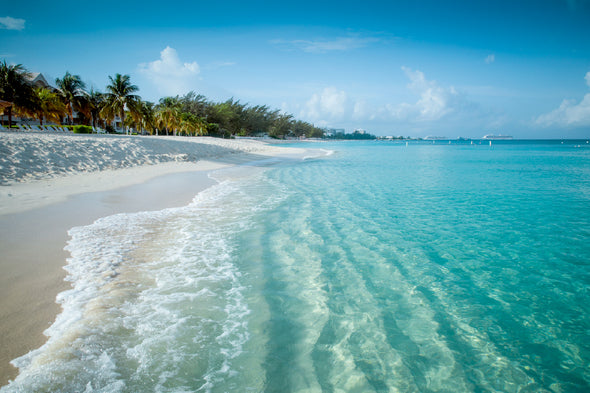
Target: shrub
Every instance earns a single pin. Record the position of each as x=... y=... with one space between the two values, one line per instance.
x=82 y=130
x=110 y=129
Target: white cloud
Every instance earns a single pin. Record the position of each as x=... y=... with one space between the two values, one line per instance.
x=434 y=102
x=490 y=59
x=329 y=105
x=322 y=46
x=9 y=23
x=170 y=75
x=434 y=106
x=569 y=112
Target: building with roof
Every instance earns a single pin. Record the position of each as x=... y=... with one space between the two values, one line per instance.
x=38 y=80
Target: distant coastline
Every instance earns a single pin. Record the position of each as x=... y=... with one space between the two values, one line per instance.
x=497 y=137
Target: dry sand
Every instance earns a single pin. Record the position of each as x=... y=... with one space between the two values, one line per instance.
x=50 y=183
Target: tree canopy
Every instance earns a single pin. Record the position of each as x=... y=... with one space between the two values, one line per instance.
x=16 y=89
x=71 y=89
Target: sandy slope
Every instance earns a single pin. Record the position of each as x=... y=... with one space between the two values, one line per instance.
x=37 y=169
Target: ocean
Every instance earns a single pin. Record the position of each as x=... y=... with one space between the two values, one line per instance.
x=376 y=267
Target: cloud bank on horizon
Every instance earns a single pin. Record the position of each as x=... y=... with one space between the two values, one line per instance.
x=570 y=113
x=433 y=103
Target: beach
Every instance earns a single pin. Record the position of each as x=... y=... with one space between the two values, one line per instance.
x=358 y=267
x=51 y=183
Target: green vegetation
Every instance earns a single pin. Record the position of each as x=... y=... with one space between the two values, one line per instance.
x=81 y=129
x=14 y=87
x=71 y=90
x=48 y=106
x=189 y=115
x=119 y=97
x=357 y=135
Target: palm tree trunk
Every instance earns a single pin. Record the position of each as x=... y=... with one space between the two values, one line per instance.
x=123 y=120
x=9 y=117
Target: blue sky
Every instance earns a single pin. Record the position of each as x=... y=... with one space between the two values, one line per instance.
x=447 y=68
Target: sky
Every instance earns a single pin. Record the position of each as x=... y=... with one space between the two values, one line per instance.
x=412 y=68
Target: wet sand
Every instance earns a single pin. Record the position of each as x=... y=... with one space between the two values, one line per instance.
x=31 y=246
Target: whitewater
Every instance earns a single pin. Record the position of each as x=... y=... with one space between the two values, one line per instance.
x=376 y=267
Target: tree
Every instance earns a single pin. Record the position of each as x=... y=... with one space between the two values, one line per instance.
x=192 y=124
x=71 y=89
x=168 y=114
x=193 y=103
x=95 y=102
x=49 y=106
x=15 y=88
x=120 y=96
x=144 y=118
x=282 y=126
x=227 y=115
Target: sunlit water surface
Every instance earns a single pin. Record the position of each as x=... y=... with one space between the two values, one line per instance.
x=379 y=268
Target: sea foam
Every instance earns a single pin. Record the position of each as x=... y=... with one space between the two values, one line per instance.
x=156 y=300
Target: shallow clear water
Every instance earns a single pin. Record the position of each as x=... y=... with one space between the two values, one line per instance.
x=382 y=267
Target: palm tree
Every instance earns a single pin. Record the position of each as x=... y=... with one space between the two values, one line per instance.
x=192 y=124
x=49 y=106
x=144 y=118
x=16 y=89
x=147 y=121
x=95 y=102
x=168 y=113
x=120 y=96
x=71 y=90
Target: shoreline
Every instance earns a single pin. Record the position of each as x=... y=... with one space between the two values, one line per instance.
x=33 y=276
x=36 y=215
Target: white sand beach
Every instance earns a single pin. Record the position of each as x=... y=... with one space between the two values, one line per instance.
x=37 y=169
x=50 y=183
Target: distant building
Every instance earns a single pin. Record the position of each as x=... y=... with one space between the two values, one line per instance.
x=334 y=131
x=38 y=80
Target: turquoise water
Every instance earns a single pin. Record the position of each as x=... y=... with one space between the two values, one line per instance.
x=379 y=268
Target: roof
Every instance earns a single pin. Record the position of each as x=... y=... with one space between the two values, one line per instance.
x=4 y=105
x=38 y=80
